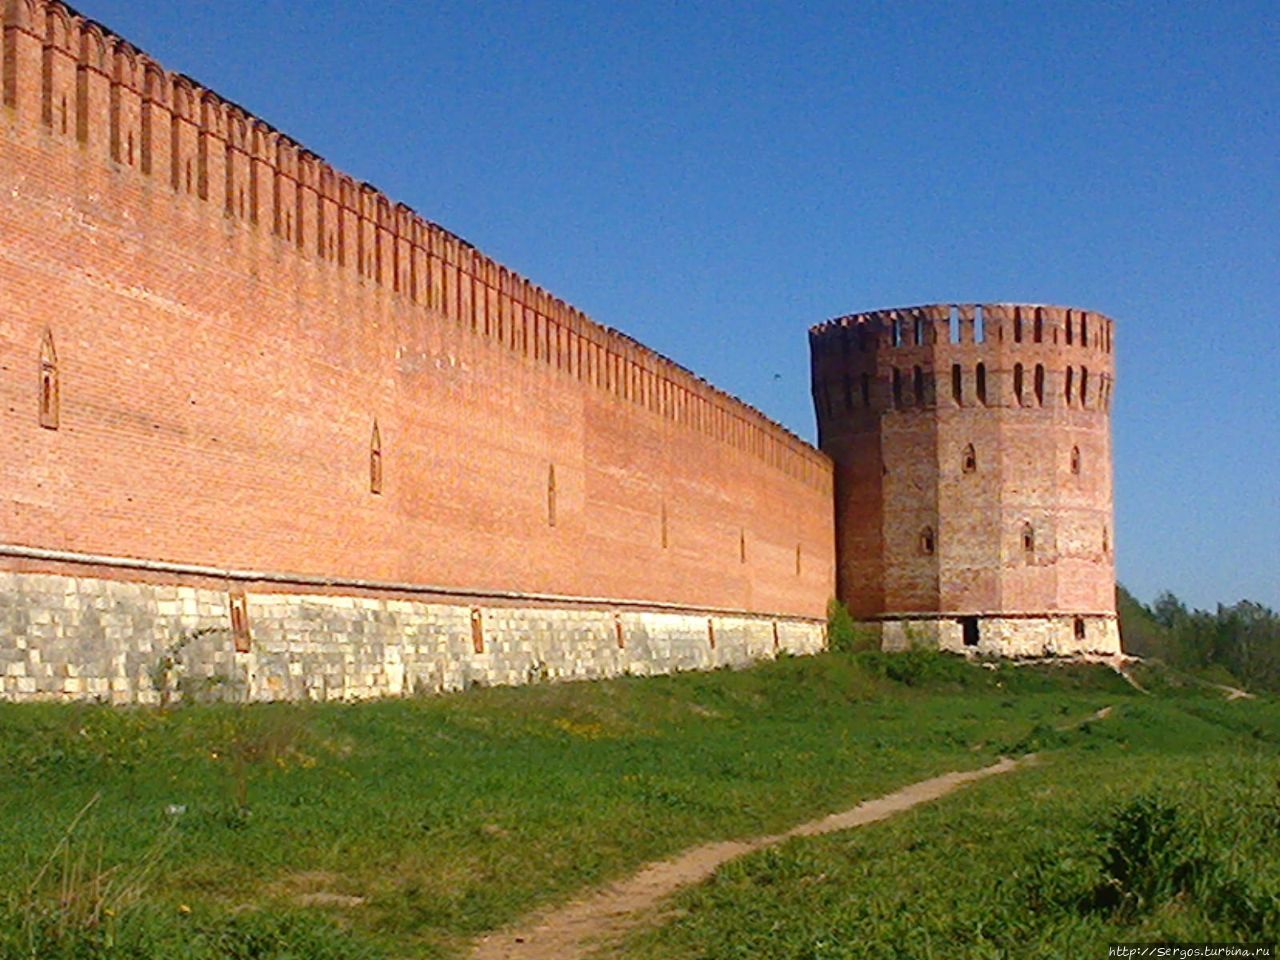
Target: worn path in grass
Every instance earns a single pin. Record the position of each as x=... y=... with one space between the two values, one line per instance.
x=569 y=932
x=574 y=930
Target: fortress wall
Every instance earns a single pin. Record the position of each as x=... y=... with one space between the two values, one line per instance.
x=240 y=337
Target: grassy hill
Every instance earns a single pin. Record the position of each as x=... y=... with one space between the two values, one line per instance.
x=405 y=828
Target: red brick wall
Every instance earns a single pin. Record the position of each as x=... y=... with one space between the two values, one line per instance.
x=900 y=459
x=231 y=316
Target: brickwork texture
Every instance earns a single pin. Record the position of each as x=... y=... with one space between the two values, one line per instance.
x=972 y=447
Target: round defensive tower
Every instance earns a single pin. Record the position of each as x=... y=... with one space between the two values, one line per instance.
x=972 y=446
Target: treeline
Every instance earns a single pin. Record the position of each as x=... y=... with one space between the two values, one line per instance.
x=1242 y=640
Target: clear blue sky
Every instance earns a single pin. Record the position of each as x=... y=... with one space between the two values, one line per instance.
x=712 y=178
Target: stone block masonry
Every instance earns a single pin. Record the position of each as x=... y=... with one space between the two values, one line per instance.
x=126 y=642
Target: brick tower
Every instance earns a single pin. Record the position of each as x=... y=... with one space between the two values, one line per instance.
x=972 y=447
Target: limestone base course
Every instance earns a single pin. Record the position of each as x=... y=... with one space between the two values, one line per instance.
x=123 y=641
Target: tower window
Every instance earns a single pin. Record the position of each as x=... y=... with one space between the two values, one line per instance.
x=917 y=385
x=957 y=384
x=742 y=545
x=1039 y=384
x=551 y=495
x=1079 y=628
x=897 y=388
x=49 y=407
x=969 y=460
x=1017 y=324
x=375 y=460
x=1038 y=335
x=797 y=559
x=1017 y=382
x=1084 y=386
x=982 y=383
x=1067 y=390
x=927 y=542
x=1075 y=461
x=1028 y=540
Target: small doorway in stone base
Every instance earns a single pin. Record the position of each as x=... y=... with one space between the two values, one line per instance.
x=969 y=630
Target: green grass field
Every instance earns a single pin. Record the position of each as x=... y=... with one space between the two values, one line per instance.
x=1161 y=823
x=405 y=828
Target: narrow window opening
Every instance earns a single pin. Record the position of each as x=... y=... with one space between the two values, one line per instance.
x=711 y=632
x=551 y=495
x=1017 y=324
x=979 y=324
x=897 y=388
x=919 y=331
x=969 y=460
x=897 y=331
x=1068 y=389
x=1070 y=329
x=954 y=324
x=1079 y=628
x=1084 y=330
x=982 y=383
x=742 y=545
x=1084 y=386
x=375 y=460
x=797 y=559
x=240 y=621
x=1017 y=383
x=1028 y=540
x=49 y=407
x=1075 y=461
x=477 y=630
x=1039 y=384
x=64 y=113
x=1106 y=540
x=927 y=542
x=957 y=385
x=1038 y=331
x=618 y=633
x=969 y=631
x=917 y=385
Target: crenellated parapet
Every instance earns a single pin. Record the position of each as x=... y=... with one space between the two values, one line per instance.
x=72 y=79
x=939 y=355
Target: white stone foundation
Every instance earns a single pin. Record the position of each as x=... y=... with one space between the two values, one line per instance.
x=83 y=638
x=1052 y=635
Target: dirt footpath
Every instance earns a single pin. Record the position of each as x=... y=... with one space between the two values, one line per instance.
x=573 y=930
